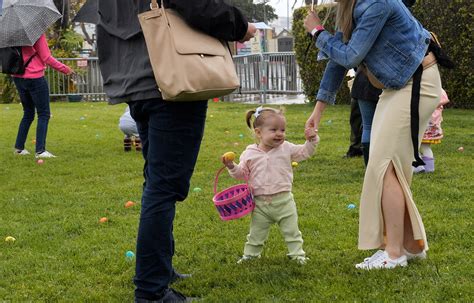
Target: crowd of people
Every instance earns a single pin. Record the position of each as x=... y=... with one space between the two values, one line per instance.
x=397 y=88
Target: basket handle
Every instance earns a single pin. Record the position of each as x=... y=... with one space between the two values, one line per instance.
x=216 y=180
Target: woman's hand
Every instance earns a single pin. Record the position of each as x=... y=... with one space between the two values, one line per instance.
x=311 y=21
x=70 y=72
x=251 y=30
x=313 y=120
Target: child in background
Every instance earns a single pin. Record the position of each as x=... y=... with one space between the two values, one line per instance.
x=432 y=135
x=268 y=167
x=129 y=127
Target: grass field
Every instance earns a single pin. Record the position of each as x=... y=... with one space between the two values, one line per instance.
x=63 y=254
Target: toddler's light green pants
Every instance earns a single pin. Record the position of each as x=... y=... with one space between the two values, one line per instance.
x=280 y=209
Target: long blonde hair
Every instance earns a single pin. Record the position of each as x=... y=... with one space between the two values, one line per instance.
x=344 y=21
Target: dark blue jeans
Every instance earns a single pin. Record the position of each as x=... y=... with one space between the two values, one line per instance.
x=171 y=134
x=34 y=95
x=367 y=110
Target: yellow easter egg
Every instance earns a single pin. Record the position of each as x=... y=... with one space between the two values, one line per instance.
x=294 y=164
x=229 y=156
x=10 y=239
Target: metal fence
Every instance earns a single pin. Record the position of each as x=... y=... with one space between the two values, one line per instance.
x=86 y=83
x=260 y=74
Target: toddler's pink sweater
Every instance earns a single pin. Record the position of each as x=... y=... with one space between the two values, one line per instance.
x=271 y=172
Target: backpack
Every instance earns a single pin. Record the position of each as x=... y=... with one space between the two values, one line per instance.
x=11 y=61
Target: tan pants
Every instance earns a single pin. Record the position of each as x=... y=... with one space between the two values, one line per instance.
x=280 y=209
x=391 y=142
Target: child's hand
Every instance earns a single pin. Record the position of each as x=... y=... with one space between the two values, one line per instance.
x=228 y=159
x=228 y=163
x=311 y=134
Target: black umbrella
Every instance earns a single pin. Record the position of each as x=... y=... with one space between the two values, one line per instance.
x=89 y=13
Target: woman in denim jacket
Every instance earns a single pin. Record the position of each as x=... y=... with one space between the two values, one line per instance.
x=383 y=38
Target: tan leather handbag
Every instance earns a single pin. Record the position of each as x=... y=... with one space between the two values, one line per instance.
x=189 y=65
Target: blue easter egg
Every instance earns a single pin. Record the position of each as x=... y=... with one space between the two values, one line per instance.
x=351 y=206
x=129 y=255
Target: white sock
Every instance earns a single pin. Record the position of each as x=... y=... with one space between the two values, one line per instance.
x=425 y=150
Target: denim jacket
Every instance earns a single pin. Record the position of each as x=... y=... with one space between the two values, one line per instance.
x=386 y=38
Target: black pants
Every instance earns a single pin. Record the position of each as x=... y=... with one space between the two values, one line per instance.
x=171 y=134
x=355 y=149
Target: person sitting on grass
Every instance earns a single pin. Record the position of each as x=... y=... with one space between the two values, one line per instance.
x=268 y=167
x=128 y=126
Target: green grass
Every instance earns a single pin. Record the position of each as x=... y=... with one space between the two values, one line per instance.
x=62 y=253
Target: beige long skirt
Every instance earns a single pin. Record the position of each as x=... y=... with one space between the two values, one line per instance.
x=390 y=141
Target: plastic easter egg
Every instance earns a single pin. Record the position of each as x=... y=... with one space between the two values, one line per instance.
x=229 y=156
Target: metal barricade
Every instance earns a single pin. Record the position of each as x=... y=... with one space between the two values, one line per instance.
x=259 y=74
x=85 y=84
x=267 y=73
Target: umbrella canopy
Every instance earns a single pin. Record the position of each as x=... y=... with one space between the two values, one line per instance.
x=23 y=21
x=89 y=13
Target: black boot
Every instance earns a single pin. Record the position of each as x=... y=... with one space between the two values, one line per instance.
x=365 y=151
x=127 y=144
x=178 y=276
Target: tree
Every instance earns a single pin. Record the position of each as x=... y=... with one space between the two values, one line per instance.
x=261 y=12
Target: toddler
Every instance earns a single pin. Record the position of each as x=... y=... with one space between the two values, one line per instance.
x=432 y=135
x=268 y=167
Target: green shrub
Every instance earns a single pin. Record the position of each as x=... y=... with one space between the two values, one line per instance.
x=311 y=70
x=8 y=92
x=453 y=21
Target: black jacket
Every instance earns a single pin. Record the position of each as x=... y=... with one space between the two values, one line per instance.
x=123 y=56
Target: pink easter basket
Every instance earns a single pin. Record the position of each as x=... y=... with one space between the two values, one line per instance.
x=233 y=202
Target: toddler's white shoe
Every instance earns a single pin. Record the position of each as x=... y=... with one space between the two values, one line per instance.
x=45 y=154
x=301 y=260
x=410 y=256
x=246 y=258
x=381 y=260
x=22 y=152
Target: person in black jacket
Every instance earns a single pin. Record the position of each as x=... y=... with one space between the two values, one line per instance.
x=171 y=132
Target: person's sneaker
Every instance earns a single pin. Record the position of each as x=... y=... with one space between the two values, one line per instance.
x=178 y=276
x=382 y=261
x=21 y=152
x=246 y=258
x=167 y=296
x=419 y=169
x=411 y=256
x=45 y=154
x=301 y=260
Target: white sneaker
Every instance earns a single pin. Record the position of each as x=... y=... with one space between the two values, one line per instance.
x=410 y=256
x=45 y=154
x=382 y=261
x=246 y=258
x=366 y=260
x=301 y=260
x=22 y=152
x=419 y=169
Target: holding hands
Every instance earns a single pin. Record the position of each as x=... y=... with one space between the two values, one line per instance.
x=311 y=134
